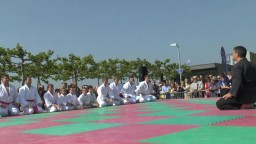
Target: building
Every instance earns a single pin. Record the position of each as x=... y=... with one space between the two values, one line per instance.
x=217 y=68
x=209 y=69
x=250 y=56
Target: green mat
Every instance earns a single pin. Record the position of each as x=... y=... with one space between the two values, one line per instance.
x=209 y=135
x=193 y=120
x=71 y=128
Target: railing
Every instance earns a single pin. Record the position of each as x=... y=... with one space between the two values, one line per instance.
x=187 y=95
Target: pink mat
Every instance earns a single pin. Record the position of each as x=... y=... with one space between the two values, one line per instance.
x=132 y=119
x=123 y=134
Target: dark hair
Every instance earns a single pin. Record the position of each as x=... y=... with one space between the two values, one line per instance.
x=116 y=77
x=5 y=75
x=57 y=90
x=72 y=86
x=131 y=75
x=222 y=75
x=49 y=85
x=85 y=86
x=241 y=51
x=27 y=77
x=147 y=75
x=104 y=78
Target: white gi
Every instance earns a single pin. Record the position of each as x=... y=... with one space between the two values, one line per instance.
x=72 y=102
x=29 y=100
x=128 y=90
x=114 y=91
x=62 y=101
x=84 y=100
x=51 y=99
x=6 y=99
x=93 y=98
x=144 y=90
x=87 y=100
x=103 y=94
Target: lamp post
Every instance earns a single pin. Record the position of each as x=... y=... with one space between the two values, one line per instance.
x=176 y=45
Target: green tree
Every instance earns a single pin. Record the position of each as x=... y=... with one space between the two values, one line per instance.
x=75 y=68
x=157 y=69
x=43 y=67
x=20 y=60
x=88 y=68
x=6 y=65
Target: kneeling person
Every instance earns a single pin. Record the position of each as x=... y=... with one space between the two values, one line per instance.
x=104 y=98
x=62 y=99
x=29 y=98
x=72 y=101
x=9 y=100
x=243 y=90
x=115 y=92
x=128 y=90
x=50 y=98
x=145 y=90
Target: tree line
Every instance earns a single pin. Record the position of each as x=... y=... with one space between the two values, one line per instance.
x=19 y=63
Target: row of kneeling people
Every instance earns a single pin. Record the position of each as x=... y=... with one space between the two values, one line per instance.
x=28 y=100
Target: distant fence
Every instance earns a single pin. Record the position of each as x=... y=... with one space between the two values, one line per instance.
x=187 y=95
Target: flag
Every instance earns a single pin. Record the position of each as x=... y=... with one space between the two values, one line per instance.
x=223 y=60
x=188 y=62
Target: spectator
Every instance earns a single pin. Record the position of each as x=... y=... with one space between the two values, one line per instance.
x=224 y=84
x=165 y=93
x=214 y=86
x=187 y=88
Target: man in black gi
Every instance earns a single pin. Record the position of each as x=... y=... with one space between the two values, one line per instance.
x=243 y=91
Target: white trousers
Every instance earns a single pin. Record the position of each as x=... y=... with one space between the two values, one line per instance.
x=145 y=98
x=103 y=103
x=29 y=110
x=131 y=100
x=10 y=110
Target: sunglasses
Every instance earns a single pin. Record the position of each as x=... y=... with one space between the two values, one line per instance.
x=85 y=87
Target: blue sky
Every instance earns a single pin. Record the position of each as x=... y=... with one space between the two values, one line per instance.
x=130 y=28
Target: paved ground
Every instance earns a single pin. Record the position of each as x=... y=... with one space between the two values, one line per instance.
x=194 y=121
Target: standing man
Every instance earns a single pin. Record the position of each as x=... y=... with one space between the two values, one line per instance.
x=29 y=98
x=104 y=98
x=243 y=90
x=9 y=100
x=128 y=90
x=196 y=87
x=145 y=90
x=165 y=90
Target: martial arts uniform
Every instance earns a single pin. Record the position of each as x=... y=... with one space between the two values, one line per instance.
x=243 y=87
x=84 y=100
x=51 y=99
x=72 y=102
x=115 y=91
x=144 y=90
x=103 y=94
x=128 y=91
x=8 y=98
x=29 y=100
x=61 y=102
